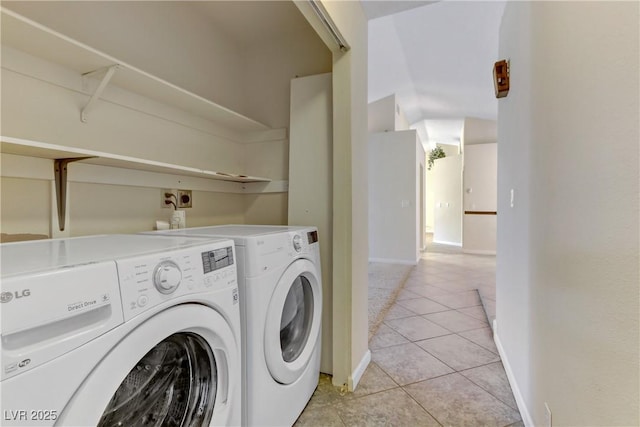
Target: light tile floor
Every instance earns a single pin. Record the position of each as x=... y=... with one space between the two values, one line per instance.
x=434 y=362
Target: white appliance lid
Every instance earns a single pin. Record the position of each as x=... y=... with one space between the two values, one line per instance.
x=37 y=255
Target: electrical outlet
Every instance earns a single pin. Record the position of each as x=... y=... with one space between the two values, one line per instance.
x=547 y=415
x=169 y=198
x=184 y=198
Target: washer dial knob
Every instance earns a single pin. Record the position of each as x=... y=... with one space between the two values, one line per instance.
x=167 y=277
x=297 y=243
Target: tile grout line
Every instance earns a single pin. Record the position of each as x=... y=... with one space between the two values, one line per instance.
x=392 y=299
x=420 y=405
x=488 y=391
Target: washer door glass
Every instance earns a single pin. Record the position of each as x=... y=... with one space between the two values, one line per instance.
x=174 y=384
x=295 y=322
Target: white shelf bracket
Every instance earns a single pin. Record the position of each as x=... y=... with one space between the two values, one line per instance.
x=103 y=84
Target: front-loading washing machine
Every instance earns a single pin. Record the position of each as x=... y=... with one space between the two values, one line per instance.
x=280 y=288
x=121 y=330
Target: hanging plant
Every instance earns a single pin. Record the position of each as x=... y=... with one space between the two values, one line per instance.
x=436 y=153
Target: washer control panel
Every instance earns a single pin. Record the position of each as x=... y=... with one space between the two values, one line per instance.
x=277 y=249
x=297 y=242
x=167 y=276
x=148 y=281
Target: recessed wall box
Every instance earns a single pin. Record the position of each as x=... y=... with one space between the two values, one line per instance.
x=501 y=78
x=184 y=198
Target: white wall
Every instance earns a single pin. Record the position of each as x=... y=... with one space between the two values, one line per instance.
x=431 y=183
x=385 y=115
x=568 y=256
x=310 y=182
x=421 y=194
x=381 y=114
x=394 y=174
x=447 y=185
x=480 y=195
x=513 y=285
x=401 y=122
x=430 y=202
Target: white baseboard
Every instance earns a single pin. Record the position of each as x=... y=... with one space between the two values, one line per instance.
x=357 y=374
x=522 y=407
x=393 y=261
x=444 y=242
x=477 y=252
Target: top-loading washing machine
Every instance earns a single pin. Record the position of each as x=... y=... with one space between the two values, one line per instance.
x=121 y=330
x=280 y=288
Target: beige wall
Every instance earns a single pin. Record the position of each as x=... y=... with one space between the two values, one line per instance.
x=25 y=206
x=350 y=195
x=449 y=150
x=268 y=158
x=568 y=251
x=479 y=131
x=41 y=102
x=266 y=208
x=169 y=39
x=107 y=209
x=270 y=66
x=351 y=187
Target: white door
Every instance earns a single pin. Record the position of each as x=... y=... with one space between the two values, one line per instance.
x=310 y=193
x=175 y=369
x=480 y=198
x=293 y=321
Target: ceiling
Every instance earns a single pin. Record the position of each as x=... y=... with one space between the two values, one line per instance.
x=377 y=8
x=437 y=58
x=245 y=22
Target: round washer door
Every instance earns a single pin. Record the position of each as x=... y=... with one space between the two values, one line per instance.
x=293 y=321
x=177 y=368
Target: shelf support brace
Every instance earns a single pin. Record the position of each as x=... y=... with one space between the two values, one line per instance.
x=60 y=175
x=103 y=84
